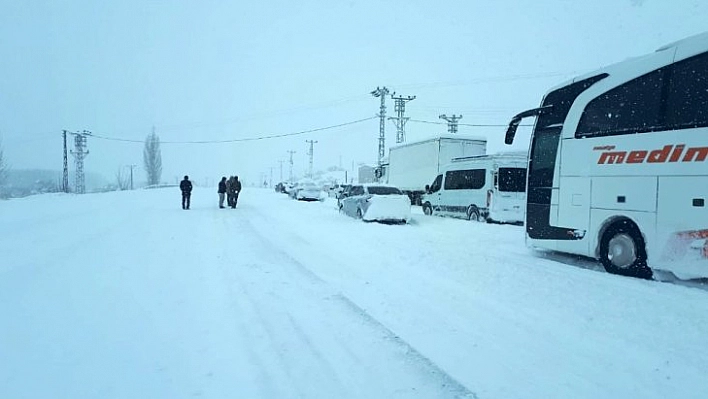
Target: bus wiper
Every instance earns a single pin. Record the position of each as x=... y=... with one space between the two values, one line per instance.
x=514 y=124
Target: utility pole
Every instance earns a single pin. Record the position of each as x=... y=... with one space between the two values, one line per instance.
x=65 y=178
x=451 y=122
x=280 y=161
x=400 y=120
x=381 y=92
x=270 y=183
x=291 y=152
x=311 y=153
x=131 y=175
x=79 y=154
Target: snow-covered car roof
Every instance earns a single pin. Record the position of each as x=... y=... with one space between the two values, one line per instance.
x=376 y=185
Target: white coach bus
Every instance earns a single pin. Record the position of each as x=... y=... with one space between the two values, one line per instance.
x=618 y=164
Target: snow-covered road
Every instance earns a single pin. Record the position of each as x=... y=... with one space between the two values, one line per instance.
x=125 y=295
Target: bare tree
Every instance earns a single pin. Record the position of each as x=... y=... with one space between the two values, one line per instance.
x=122 y=181
x=152 y=158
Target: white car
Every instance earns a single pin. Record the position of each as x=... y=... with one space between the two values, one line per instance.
x=309 y=192
x=376 y=202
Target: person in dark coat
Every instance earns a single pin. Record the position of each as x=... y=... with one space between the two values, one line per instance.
x=237 y=190
x=230 y=191
x=222 y=192
x=186 y=187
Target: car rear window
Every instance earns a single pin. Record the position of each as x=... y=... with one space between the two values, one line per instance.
x=512 y=179
x=379 y=190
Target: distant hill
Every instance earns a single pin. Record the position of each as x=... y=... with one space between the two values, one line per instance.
x=24 y=182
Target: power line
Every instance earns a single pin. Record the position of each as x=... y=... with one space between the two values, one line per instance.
x=264 y=115
x=274 y=136
x=489 y=79
x=463 y=124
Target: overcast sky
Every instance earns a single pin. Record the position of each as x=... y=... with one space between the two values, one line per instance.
x=227 y=70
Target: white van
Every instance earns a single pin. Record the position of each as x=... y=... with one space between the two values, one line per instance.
x=488 y=188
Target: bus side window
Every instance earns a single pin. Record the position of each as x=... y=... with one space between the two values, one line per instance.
x=687 y=105
x=634 y=107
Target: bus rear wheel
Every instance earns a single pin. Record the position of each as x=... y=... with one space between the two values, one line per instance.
x=623 y=252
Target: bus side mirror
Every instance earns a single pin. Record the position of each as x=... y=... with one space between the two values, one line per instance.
x=427 y=188
x=511 y=130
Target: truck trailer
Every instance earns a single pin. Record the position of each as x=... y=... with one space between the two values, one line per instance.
x=413 y=165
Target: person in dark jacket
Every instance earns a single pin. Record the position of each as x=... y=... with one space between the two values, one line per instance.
x=230 y=191
x=237 y=190
x=222 y=192
x=186 y=187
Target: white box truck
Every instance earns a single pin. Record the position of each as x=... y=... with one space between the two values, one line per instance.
x=413 y=165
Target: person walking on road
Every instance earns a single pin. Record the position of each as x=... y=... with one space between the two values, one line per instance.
x=237 y=189
x=222 y=192
x=186 y=187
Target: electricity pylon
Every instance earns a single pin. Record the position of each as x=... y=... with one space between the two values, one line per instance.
x=451 y=122
x=400 y=120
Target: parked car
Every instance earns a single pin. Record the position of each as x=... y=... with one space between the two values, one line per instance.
x=342 y=192
x=293 y=189
x=288 y=188
x=376 y=202
x=309 y=191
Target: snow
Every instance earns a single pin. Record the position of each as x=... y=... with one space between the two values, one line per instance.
x=125 y=295
x=388 y=208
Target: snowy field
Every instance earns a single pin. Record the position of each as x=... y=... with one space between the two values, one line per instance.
x=125 y=295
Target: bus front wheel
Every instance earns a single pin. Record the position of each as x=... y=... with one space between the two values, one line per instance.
x=623 y=252
x=427 y=209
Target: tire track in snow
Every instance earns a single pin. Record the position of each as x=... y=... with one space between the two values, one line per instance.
x=411 y=354
x=263 y=377
x=253 y=287
x=447 y=380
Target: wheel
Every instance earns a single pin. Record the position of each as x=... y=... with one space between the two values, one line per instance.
x=359 y=214
x=427 y=209
x=473 y=214
x=623 y=252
